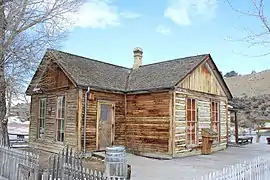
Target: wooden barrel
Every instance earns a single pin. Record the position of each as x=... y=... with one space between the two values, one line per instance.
x=116 y=162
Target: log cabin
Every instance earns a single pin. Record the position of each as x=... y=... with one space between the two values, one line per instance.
x=156 y=110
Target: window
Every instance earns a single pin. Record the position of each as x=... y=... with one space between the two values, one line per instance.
x=105 y=112
x=191 y=122
x=42 y=117
x=215 y=120
x=60 y=119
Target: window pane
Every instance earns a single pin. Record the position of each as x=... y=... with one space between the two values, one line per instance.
x=193 y=138
x=188 y=127
x=42 y=116
x=193 y=104
x=60 y=121
x=62 y=125
x=193 y=128
x=188 y=115
x=59 y=103
x=58 y=136
x=62 y=136
x=40 y=122
x=43 y=112
x=105 y=112
x=188 y=104
x=63 y=101
x=58 y=125
x=58 y=114
x=193 y=116
x=63 y=112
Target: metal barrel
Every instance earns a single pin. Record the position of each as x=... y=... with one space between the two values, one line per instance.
x=116 y=162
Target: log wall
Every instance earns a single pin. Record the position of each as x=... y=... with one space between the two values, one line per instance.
x=148 y=122
x=180 y=122
x=223 y=122
x=203 y=102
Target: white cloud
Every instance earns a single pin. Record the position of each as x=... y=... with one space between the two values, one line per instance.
x=163 y=30
x=184 y=12
x=130 y=15
x=100 y=14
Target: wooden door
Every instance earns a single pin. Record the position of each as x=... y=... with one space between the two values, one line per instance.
x=105 y=122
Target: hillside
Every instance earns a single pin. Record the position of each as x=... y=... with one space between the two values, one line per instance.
x=251 y=96
x=21 y=109
x=250 y=85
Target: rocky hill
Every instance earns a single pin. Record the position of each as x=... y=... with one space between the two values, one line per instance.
x=21 y=110
x=251 y=96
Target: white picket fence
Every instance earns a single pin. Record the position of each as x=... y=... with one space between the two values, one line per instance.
x=256 y=169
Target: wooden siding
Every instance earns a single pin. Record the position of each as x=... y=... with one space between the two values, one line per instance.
x=54 y=83
x=49 y=143
x=54 y=78
x=148 y=122
x=91 y=119
x=203 y=79
x=34 y=112
x=203 y=102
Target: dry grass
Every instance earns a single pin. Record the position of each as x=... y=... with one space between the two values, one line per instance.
x=250 y=85
x=251 y=96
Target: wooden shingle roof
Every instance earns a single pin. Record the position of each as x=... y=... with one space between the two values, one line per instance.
x=164 y=74
x=96 y=74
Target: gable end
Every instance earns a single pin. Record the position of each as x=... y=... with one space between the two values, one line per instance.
x=206 y=78
x=48 y=76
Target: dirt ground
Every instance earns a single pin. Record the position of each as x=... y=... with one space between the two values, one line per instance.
x=192 y=168
x=91 y=163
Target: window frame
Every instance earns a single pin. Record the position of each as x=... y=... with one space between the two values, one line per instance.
x=215 y=117
x=58 y=137
x=43 y=118
x=193 y=120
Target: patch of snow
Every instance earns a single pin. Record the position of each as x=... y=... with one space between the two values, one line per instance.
x=15 y=119
x=17 y=126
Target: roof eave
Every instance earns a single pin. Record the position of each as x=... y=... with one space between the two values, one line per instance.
x=137 y=91
x=96 y=88
x=229 y=95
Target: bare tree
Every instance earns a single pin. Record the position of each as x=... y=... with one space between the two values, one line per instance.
x=260 y=12
x=27 y=28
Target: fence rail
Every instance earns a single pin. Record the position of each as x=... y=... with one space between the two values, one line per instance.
x=256 y=169
x=68 y=165
x=18 y=140
x=18 y=165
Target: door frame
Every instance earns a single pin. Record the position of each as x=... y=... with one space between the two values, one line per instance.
x=98 y=118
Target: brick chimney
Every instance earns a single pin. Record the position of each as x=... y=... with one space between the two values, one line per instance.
x=138 y=52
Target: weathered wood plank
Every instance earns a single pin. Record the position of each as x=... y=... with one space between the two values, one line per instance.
x=203 y=79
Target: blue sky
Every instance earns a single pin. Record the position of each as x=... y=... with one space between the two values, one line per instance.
x=108 y=30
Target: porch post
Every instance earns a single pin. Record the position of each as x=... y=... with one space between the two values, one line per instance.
x=236 y=127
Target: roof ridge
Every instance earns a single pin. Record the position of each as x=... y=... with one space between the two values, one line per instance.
x=176 y=59
x=89 y=59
